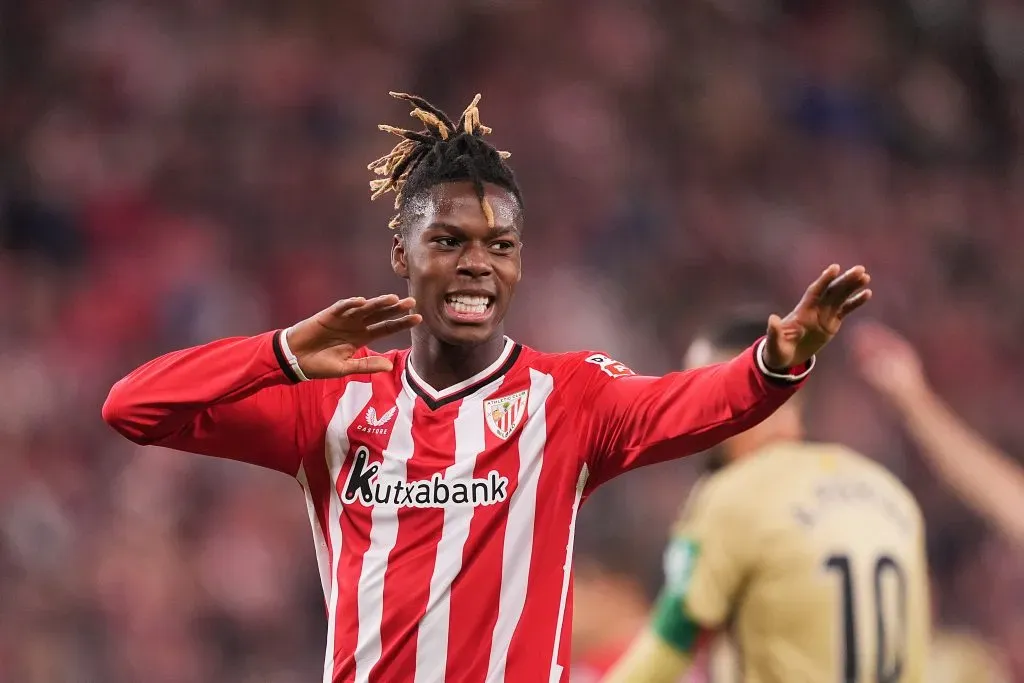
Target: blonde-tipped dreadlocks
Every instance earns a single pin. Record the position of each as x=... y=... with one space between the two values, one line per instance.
x=442 y=152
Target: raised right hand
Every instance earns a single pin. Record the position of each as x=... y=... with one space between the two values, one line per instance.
x=326 y=343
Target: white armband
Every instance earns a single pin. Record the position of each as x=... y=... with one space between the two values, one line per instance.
x=759 y=355
x=293 y=362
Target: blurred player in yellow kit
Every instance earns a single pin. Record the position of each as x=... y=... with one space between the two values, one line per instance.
x=810 y=556
x=954 y=657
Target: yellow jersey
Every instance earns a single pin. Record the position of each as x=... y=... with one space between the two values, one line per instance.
x=812 y=557
x=954 y=657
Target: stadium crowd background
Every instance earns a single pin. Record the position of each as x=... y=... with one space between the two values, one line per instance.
x=176 y=172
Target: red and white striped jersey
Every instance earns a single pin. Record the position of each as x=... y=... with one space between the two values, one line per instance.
x=443 y=519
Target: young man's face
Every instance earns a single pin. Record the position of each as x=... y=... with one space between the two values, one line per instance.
x=461 y=272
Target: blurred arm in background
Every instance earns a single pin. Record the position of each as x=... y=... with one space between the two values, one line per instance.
x=988 y=480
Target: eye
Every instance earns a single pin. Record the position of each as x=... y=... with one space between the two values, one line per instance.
x=447 y=242
x=504 y=245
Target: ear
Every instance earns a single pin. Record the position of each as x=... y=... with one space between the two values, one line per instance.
x=399 y=262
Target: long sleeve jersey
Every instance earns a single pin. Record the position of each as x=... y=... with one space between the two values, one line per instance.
x=443 y=520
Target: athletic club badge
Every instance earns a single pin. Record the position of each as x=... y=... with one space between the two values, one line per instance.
x=504 y=414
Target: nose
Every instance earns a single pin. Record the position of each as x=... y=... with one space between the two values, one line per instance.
x=474 y=261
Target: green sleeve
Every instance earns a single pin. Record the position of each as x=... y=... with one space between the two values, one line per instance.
x=670 y=620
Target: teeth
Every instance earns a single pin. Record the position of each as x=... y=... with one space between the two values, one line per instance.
x=464 y=303
x=468 y=299
x=466 y=308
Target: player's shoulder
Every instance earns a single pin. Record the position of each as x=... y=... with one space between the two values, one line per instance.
x=756 y=468
x=728 y=494
x=861 y=465
x=585 y=364
x=788 y=465
x=696 y=502
x=813 y=461
x=813 y=457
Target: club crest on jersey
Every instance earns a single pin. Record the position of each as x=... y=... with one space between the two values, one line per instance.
x=609 y=366
x=504 y=414
x=375 y=424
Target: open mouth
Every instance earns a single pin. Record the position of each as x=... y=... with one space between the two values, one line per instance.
x=468 y=307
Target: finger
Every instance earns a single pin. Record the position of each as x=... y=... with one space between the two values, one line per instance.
x=388 y=312
x=371 y=306
x=340 y=307
x=367 y=365
x=854 y=302
x=840 y=289
x=819 y=286
x=775 y=336
x=775 y=331
x=782 y=330
x=847 y=282
x=791 y=333
x=388 y=327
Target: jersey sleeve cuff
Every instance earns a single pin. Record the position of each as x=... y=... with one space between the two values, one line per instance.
x=795 y=375
x=286 y=359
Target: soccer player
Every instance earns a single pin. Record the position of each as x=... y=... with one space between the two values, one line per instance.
x=810 y=557
x=443 y=481
x=986 y=479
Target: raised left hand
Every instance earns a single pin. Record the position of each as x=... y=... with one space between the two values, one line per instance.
x=817 y=318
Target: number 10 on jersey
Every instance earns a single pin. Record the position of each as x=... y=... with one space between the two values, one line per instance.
x=891 y=638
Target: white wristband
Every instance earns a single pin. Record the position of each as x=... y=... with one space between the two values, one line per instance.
x=759 y=355
x=293 y=362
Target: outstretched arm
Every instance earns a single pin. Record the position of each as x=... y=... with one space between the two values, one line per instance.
x=231 y=398
x=635 y=421
x=237 y=398
x=632 y=421
x=987 y=480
